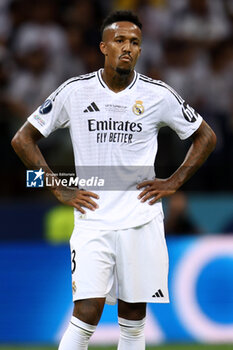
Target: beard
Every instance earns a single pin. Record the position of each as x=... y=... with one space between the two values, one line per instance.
x=122 y=71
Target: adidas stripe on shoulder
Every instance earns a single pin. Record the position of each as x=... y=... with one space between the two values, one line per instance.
x=188 y=112
x=72 y=80
x=162 y=84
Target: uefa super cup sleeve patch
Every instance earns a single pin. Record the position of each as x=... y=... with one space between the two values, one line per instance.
x=46 y=107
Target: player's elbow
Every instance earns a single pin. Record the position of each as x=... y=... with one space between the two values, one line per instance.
x=17 y=141
x=27 y=134
x=212 y=140
x=206 y=137
x=209 y=140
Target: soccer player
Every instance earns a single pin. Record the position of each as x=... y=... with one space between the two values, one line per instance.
x=118 y=249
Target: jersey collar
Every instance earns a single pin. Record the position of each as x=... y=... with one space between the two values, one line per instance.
x=102 y=83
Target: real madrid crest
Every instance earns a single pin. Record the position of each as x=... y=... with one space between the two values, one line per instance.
x=138 y=108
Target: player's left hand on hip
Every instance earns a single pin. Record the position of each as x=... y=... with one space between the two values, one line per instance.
x=154 y=190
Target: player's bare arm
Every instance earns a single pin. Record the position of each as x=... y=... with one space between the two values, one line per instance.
x=203 y=143
x=25 y=145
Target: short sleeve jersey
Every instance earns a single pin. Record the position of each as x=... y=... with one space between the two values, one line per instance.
x=117 y=134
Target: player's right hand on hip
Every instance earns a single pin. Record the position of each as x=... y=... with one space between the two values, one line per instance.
x=77 y=198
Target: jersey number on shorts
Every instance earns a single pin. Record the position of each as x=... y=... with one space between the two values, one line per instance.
x=73 y=262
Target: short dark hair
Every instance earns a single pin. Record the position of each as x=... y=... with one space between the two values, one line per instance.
x=120 y=16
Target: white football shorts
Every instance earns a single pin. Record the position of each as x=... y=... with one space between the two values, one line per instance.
x=129 y=264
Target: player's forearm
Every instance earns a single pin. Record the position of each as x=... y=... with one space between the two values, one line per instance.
x=29 y=152
x=204 y=141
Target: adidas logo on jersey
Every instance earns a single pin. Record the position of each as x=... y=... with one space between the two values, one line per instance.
x=158 y=294
x=91 y=108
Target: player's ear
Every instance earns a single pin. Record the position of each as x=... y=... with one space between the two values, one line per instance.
x=103 y=48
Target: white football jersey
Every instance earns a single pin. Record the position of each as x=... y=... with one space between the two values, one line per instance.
x=114 y=137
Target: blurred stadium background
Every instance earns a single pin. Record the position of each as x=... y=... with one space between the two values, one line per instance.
x=189 y=45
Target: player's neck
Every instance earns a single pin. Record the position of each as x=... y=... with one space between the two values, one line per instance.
x=117 y=81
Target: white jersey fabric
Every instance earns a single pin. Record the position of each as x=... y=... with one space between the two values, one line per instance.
x=116 y=131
